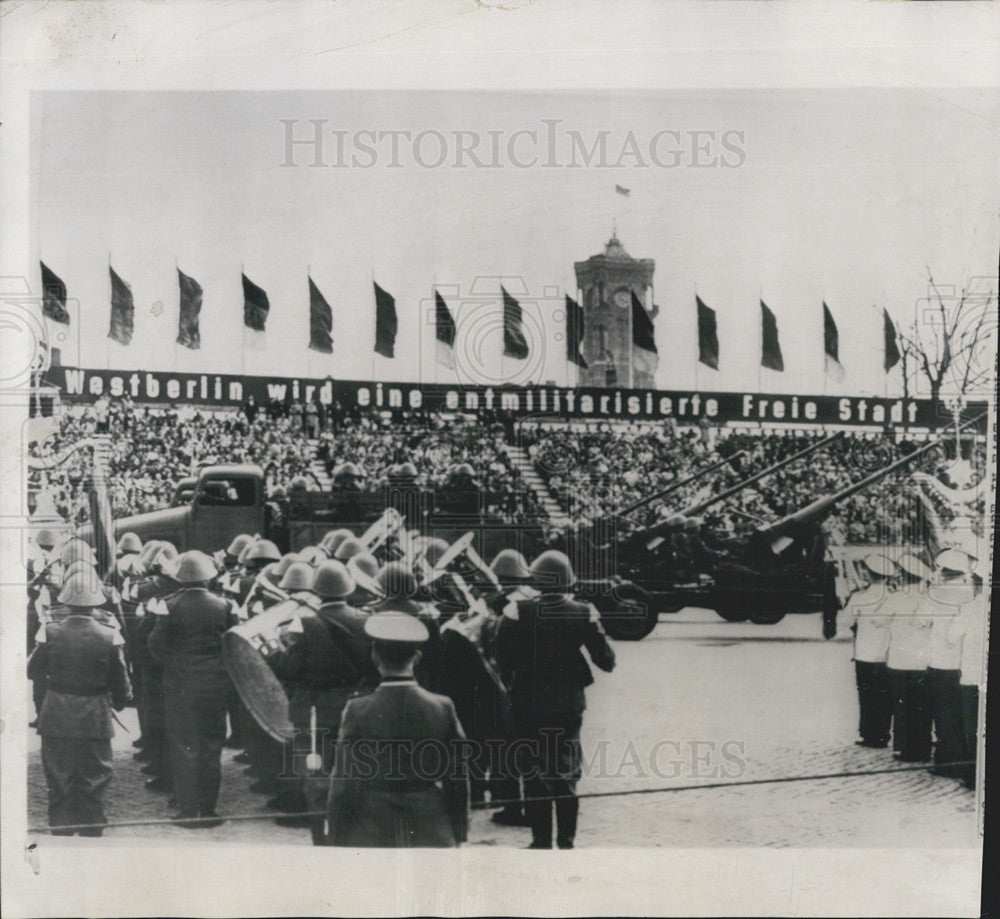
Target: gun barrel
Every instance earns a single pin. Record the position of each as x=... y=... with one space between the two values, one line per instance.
x=715 y=499
x=822 y=506
x=673 y=486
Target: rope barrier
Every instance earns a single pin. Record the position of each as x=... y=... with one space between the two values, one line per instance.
x=663 y=789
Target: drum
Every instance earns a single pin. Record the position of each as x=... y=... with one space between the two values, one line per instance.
x=245 y=652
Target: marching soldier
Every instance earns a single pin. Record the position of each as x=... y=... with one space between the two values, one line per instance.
x=43 y=584
x=258 y=556
x=541 y=651
x=907 y=660
x=81 y=664
x=187 y=641
x=951 y=592
x=866 y=616
x=327 y=661
x=364 y=569
x=393 y=798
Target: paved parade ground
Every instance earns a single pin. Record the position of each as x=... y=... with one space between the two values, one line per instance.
x=698 y=701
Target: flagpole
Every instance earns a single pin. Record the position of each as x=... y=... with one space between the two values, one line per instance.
x=177 y=278
x=760 y=338
x=826 y=376
x=376 y=327
x=243 y=340
x=437 y=372
x=309 y=369
x=697 y=359
x=107 y=342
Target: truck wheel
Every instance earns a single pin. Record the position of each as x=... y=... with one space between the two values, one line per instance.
x=628 y=615
x=731 y=608
x=767 y=618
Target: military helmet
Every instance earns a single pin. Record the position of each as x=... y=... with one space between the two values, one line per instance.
x=77 y=567
x=434 y=548
x=405 y=471
x=82 y=589
x=692 y=524
x=163 y=559
x=263 y=551
x=676 y=520
x=298 y=576
x=396 y=580
x=348 y=549
x=245 y=551
x=312 y=555
x=45 y=539
x=364 y=561
x=552 y=571
x=333 y=538
x=285 y=562
x=333 y=581
x=238 y=544
x=299 y=483
x=194 y=567
x=351 y=469
x=129 y=544
x=76 y=548
x=510 y=565
x=461 y=471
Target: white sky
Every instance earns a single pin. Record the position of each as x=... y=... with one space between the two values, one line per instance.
x=844 y=195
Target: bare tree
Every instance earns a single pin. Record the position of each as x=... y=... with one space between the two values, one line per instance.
x=946 y=344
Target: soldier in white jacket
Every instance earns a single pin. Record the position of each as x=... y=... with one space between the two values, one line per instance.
x=908 y=659
x=951 y=592
x=970 y=629
x=865 y=615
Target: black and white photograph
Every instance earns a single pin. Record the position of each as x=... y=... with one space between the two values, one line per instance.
x=573 y=476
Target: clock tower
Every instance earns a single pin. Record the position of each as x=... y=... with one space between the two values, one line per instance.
x=605 y=284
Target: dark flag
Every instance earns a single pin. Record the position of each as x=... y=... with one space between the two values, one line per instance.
x=770 y=352
x=892 y=355
x=188 y=322
x=445 y=332
x=320 y=321
x=385 y=322
x=574 y=332
x=644 y=350
x=514 y=343
x=53 y=296
x=122 y=310
x=256 y=306
x=831 y=345
x=708 y=336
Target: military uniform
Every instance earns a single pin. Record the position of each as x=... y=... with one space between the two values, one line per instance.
x=187 y=641
x=970 y=629
x=943 y=676
x=907 y=660
x=81 y=664
x=541 y=651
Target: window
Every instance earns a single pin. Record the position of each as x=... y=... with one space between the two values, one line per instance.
x=234 y=492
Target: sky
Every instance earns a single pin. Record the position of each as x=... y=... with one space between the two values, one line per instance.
x=843 y=196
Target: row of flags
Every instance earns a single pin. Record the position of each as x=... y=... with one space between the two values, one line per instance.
x=257 y=307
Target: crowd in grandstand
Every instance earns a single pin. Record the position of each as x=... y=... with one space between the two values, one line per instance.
x=589 y=469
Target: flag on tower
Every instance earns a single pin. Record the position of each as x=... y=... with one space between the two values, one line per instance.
x=831 y=346
x=53 y=296
x=385 y=322
x=574 y=333
x=189 y=318
x=770 y=352
x=892 y=355
x=444 y=332
x=514 y=343
x=256 y=306
x=646 y=357
x=320 y=321
x=708 y=336
x=122 y=310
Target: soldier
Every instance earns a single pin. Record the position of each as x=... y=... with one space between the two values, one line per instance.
x=866 y=617
x=394 y=797
x=43 y=584
x=460 y=496
x=327 y=661
x=230 y=558
x=541 y=651
x=81 y=664
x=128 y=548
x=907 y=660
x=258 y=556
x=187 y=641
x=970 y=629
x=346 y=506
x=405 y=495
x=951 y=592
x=364 y=568
x=332 y=540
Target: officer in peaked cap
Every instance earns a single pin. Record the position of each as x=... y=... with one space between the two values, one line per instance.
x=908 y=659
x=81 y=665
x=951 y=591
x=541 y=650
x=865 y=616
x=408 y=801
x=187 y=641
x=326 y=662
